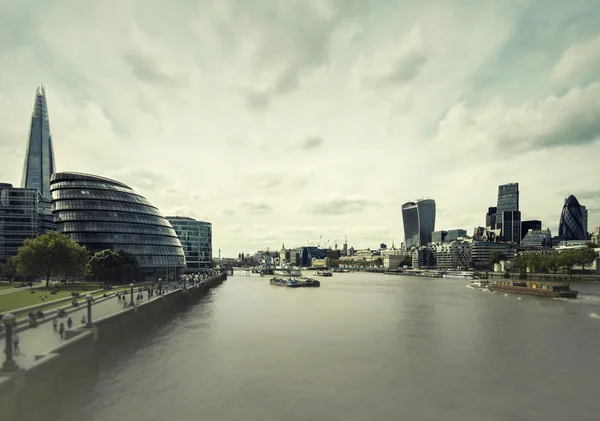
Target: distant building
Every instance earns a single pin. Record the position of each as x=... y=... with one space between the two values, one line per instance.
x=511 y=227
x=419 y=222
x=490 y=218
x=508 y=203
x=284 y=255
x=533 y=225
x=422 y=257
x=24 y=213
x=320 y=263
x=537 y=239
x=482 y=250
x=39 y=157
x=584 y=212
x=484 y=234
x=310 y=252
x=447 y=236
x=196 y=240
x=452 y=255
x=596 y=235
x=392 y=261
x=572 y=221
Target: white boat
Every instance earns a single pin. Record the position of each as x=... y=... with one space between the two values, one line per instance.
x=459 y=275
x=479 y=283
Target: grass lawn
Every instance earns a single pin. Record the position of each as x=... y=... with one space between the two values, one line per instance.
x=24 y=298
x=6 y=285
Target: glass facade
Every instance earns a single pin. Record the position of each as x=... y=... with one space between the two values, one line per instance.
x=196 y=240
x=537 y=239
x=533 y=225
x=418 y=218
x=490 y=218
x=511 y=227
x=24 y=213
x=508 y=201
x=39 y=158
x=101 y=214
x=571 y=225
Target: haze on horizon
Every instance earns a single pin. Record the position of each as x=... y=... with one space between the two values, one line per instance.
x=281 y=121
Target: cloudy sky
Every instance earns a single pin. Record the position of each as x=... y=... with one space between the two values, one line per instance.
x=281 y=121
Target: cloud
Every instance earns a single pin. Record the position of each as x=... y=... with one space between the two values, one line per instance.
x=257 y=207
x=310 y=143
x=146 y=69
x=570 y=120
x=395 y=65
x=146 y=180
x=338 y=206
x=580 y=60
x=184 y=211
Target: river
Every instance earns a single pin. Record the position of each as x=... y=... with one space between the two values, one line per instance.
x=361 y=347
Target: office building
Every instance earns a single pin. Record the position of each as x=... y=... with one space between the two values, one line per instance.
x=481 y=252
x=101 y=214
x=419 y=222
x=571 y=225
x=537 y=239
x=533 y=225
x=511 y=227
x=584 y=212
x=490 y=218
x=447 y=236
x=455 y=255
x=24 y=213
x=39 y=157
x=196 y=240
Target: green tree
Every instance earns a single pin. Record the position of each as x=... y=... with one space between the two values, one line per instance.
x=51 y=254
x=8 y=270
x=496 y=256
x=379 y=262
x=110 y=266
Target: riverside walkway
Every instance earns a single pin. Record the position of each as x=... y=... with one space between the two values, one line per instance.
x=43 y=339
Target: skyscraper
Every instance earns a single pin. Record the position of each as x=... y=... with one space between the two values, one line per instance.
x=39 y=158
x=584 y=212
x=419 y=222
x=571 y=225
x=508 y=201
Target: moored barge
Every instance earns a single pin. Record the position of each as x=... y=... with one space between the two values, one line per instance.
x=540 y=289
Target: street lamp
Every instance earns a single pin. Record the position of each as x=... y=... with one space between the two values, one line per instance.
x=89 y=303
x=9 y=364
x=131 y=285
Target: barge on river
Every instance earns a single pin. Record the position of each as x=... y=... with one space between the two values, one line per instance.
x=541 y=289
x=295 y=283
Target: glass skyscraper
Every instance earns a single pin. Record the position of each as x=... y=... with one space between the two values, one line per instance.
x=101 y=214
x=508 y=202
x=24 y=213
x=39 y=158
x=418 y=218
x=572 y=220
x=196 y=240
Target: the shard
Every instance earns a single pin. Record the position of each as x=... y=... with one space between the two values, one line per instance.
x=39 y=159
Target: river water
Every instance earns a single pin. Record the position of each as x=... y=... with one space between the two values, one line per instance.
x=361 y=347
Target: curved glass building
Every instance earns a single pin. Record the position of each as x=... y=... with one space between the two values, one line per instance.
x=572 y=220
x=101 y=214
x=419 y=222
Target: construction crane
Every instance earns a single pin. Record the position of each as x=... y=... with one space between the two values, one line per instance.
x=319 y=245
x=327 y=244
x=335 y=244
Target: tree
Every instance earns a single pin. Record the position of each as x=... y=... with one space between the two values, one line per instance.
x=379 y=262
x=8 y=270
x=496 y=256
x=49 y=255
x=107 y=265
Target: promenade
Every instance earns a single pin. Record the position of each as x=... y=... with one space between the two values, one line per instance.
x=42 y=339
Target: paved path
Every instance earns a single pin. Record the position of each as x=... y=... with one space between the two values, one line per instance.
x=42 y=339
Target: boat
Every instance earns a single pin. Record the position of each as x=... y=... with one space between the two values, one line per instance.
x=323 y=273
x=540 y=289
x=459 y=275
x=309 y=282
x=479 y=283
x=292 y=283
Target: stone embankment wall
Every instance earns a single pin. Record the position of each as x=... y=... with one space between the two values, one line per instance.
x=45 y=390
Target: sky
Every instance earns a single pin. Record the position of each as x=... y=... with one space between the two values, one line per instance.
x=287 y=121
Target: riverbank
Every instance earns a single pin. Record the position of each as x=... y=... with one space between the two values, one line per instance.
x=54 y=378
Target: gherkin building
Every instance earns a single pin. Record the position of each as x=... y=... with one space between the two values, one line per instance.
x=572 y=220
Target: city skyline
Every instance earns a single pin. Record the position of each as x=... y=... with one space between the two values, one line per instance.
x=329 y=130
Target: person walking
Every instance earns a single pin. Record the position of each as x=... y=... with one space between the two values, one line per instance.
x=16 y=343
x=61 y=330
x=69 y=322
x=54 y=324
